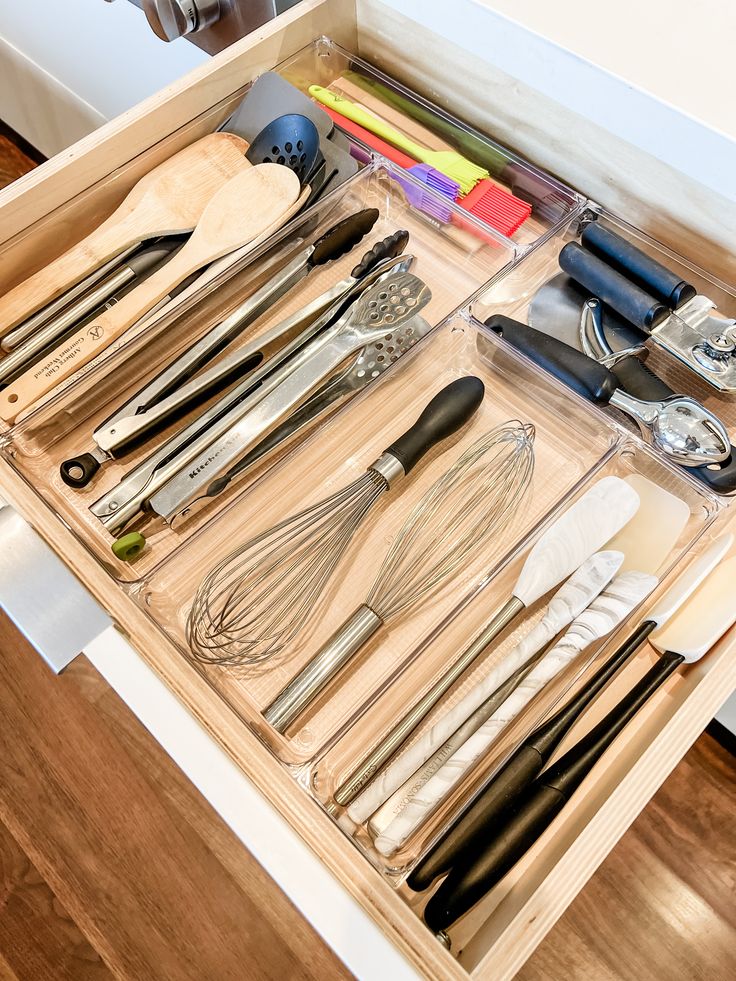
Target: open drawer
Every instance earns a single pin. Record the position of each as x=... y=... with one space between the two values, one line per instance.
x=66 y=197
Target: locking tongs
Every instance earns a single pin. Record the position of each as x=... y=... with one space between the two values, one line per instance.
x=127 y=499
x=175 y=390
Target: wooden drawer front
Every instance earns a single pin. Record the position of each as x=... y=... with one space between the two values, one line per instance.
x=66 y=196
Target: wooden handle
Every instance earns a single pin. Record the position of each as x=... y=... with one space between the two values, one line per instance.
x=87 y=343
x=167 y=200
x=231 y=220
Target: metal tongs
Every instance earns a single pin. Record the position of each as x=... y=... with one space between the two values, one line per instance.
x=175 y=390
x=133 y=494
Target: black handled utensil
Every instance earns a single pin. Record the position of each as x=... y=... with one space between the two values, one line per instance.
x=655 y=300
x=646 y=272
x=478 y=822
x=683 y=429
x=687 y=636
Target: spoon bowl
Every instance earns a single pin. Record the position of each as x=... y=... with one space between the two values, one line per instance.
x=683 y=429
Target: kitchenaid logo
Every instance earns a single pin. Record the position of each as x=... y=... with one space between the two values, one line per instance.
x=213 y=457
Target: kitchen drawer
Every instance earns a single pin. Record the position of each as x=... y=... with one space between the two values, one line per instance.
x=66 y=197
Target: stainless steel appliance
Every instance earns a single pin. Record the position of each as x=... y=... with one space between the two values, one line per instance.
x=210 y=24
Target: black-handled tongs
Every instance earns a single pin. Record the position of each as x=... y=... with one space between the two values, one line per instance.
x=181 y=387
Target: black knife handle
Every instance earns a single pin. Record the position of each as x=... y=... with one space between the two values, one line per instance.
x=621 y=294
x=583 y=374
x=570 y=770
x=469 y=882
x=477 y=822
x=652 y=276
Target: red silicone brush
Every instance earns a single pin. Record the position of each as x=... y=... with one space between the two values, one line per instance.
x=496 y=206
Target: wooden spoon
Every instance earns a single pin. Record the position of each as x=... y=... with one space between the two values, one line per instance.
x=168 y=200
x=240 y=211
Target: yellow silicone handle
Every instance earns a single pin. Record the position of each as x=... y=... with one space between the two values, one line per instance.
x=348 y=109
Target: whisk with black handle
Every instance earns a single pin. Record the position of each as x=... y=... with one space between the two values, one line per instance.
x=470 y=504
x=251 y=605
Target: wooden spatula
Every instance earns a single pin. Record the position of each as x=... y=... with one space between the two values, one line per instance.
x=168 y=200
x=240 y=211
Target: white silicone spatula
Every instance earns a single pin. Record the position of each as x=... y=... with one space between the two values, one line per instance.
x=581 y=530
x=471 y=829
x=643 y=545
x=603 y=615
x=648 y=539
x=568 y=602
x=690 y=633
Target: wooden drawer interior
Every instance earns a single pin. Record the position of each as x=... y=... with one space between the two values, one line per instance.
x=46 y=212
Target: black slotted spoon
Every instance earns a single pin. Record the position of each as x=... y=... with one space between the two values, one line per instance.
x=291 y=140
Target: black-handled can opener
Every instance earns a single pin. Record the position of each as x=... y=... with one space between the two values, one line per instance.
x=655 y=300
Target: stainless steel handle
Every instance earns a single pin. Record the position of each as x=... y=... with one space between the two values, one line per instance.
x=302 y=689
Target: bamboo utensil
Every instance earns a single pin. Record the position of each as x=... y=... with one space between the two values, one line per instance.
x=567 y=603
x=239 y=212
x=604 y=614
x=470 y=504
x=695 y=622
x=475 y=825
x=168 y=200
x=586 y=525
x=261 y=596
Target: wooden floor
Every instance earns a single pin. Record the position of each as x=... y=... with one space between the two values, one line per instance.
x=113 y=865
x=16 y=157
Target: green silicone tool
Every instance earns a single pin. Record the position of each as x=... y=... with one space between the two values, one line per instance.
x=495 y=160
x=450 y=163
x=129 y=547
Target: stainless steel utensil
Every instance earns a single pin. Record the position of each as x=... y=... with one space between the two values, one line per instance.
x=362 y=371
x=247 y=413
x=683 y=429
x=259 y=598
x=127 y=275
x=471 y=503
x=240 y=429
x=170 y=393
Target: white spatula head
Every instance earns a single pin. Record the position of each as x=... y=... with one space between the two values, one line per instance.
x=648 y=539
x=686 y=584
x=704 y=619
x=586 y=525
